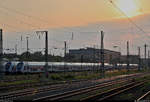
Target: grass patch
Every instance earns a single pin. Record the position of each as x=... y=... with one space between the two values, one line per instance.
x=57 y=77
x=18 y=82
x=90 y=75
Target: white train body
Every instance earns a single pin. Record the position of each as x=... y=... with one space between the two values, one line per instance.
x=38 y=67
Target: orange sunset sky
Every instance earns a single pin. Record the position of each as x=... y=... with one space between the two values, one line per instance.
x=61 y=17
x=58 y=13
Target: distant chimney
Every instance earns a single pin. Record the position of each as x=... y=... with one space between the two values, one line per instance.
x=1 y=41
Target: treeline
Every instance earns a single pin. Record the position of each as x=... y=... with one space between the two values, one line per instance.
x=36 y=56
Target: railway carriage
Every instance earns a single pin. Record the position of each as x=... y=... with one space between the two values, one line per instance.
x=38 y=67
x=30 y=67
x=10 y=67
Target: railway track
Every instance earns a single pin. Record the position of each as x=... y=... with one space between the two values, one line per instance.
x=144 y=96
x=34 y=84
x=63 y=95
x=14 y=95
x=80 y=91
x=31 y=91
x=106 y=95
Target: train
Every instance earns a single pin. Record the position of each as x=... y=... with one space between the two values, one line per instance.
x=13 y=67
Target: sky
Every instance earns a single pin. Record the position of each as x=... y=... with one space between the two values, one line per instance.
x=121 y=20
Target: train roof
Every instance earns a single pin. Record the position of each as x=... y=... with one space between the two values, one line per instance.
x=55 y=63
x=59 y=63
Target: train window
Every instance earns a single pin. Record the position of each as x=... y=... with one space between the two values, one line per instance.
x=35 y=69
x=25 y=68
x=19 y=66
x=8 y=66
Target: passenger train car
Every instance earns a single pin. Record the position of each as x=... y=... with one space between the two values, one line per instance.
x=38 y=67
x=10 y=67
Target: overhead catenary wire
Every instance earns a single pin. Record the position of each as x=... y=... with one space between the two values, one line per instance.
x=139 y=5
x=24 y=14
x=38 y=19
x=20 y=21
x=14 y=29
x=130 y=20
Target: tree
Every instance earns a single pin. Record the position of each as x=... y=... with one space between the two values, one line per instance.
x=38 y=54
x=25 y=55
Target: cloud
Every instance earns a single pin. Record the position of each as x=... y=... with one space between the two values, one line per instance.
x=130 y=37
x=117 y=32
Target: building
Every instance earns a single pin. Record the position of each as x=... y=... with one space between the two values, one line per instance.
x=134 y=59
x=92 y=55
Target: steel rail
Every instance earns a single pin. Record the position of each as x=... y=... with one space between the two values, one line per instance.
x=112 y=92
x=40 y=90
x=80 y=91
x=143 y=96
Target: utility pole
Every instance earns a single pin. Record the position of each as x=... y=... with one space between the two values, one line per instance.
x=81 y=61
x=2 y=69
x=46 y=51
x=148 y=58
x=99 y=58
x=16 y=49
x=21 y=43
x=93 y=58
x=119 y=57
x=102 y=54
x=1 y=42
x=139 y=54
x=27 y=53
x=148 y=54
x=128 y=65
x=145 y=47
x=27 y=38
x=65 y=50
